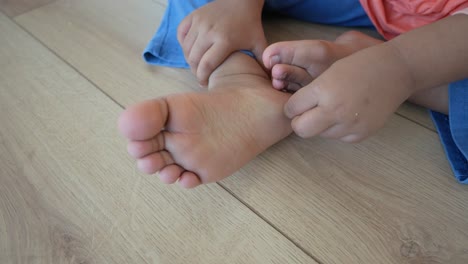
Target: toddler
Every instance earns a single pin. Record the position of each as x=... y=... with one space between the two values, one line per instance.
x=344 y=89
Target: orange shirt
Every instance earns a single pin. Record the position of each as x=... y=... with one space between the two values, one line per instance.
x=393 y=17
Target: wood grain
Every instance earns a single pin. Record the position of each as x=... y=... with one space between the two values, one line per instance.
x=391 y=199
x=417 y=114
x=86 y=25
x=16 y=7
x=70 y=194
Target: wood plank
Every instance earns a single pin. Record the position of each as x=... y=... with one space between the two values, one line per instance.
x=417 y=114
x=391 y=199
x=16 y=7
x=70 y=194
x=97 y=23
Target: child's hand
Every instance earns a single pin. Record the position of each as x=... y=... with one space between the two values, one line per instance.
x=211 y=33
x=353 y=98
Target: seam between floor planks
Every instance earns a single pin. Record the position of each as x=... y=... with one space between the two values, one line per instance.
x=225 y=189
x=13 y=15
x=245 y=203
x=127 y=54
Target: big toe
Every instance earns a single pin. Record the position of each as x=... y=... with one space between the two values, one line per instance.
x=144 y=120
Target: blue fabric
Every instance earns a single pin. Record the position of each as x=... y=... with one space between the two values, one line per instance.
x=347 y=13
x=453 y=129
x=164 y=49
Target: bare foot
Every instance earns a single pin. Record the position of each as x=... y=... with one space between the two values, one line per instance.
x=295 y=64
x=197 y=138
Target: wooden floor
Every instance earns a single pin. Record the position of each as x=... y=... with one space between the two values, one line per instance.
x=70 y=194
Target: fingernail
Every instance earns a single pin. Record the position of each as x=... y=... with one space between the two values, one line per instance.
x=274 y=60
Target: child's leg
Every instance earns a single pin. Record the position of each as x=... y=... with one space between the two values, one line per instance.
x=436 y=99
x=453 y=129
x=197 y=138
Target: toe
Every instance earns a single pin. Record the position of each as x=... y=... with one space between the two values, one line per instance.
x=139 y=149
x=154 y=162
x=189 y=180
x=279 y=84
x=144 y=120
x=170 y=174
x=312 y=55
x=295 y=77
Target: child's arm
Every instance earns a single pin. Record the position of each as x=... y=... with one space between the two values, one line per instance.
x=356 y=95
x=435 y=54
x=211 y=33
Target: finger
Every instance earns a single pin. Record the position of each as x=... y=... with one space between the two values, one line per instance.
x=211 y=59
x=303 y=100
x=188 y=42
x=184 y=28
x=336 y=132
x=270 y=56
x=311 y=123
x=199 y=48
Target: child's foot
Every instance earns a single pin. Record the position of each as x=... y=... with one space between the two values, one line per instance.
x=295 y=64
x=196 y=138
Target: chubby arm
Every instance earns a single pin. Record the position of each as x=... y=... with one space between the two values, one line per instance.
x=435 y=54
